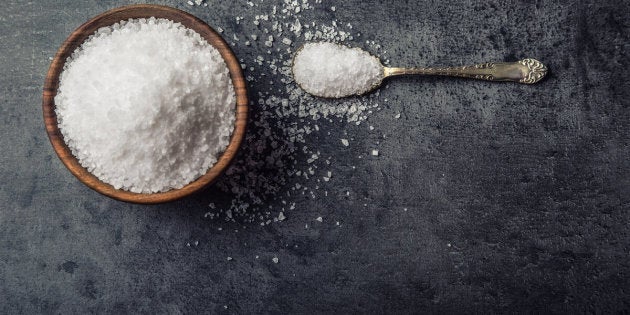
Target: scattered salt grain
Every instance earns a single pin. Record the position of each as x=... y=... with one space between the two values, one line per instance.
x=146 y=105
x=331 y=70
x=345 y=142
x=269 y=41
x=258 y=189
x=275 y=260
x=375 y=152
x=320 y=219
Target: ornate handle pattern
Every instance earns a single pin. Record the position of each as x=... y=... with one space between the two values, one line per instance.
x=526 y=71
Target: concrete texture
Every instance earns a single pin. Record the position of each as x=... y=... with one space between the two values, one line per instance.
x=517 y=197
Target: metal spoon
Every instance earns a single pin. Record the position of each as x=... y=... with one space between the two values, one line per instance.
x=527 y=71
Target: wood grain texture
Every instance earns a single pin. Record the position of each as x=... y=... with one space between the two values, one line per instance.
x=143 y=11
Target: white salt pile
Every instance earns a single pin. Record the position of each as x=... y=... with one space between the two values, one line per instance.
x=146 y=105
x=332 y=70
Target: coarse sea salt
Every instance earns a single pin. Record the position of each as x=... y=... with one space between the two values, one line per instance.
x=331 y=70
x=273 y=159
x=146 y=105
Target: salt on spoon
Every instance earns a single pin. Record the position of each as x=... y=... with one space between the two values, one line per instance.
x=331 y=70
x=334 y=71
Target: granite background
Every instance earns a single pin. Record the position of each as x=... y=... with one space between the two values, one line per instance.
x=517 y=197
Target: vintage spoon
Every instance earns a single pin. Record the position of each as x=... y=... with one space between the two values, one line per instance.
x=526 y=71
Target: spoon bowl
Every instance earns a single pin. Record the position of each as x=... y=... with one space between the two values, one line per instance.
x=109 y=18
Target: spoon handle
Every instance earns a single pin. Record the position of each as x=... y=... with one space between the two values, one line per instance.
x=527 y=71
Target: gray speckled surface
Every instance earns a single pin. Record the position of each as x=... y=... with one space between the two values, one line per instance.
x=518 y=196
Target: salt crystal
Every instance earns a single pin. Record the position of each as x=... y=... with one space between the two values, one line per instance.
x=331 y=70
x=275 y=260
x=146 y=106
x=345 y=142
x=320 y=219
x=269 y=41
x=375 y=152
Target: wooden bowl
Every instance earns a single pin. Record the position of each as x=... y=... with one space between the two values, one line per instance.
x=109 y=18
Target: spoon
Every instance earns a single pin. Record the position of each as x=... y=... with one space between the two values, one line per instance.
x=348 y=81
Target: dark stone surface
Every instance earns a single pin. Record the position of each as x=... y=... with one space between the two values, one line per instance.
x=518 y=196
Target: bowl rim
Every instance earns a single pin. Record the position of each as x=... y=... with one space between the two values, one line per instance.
x=78 y=36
